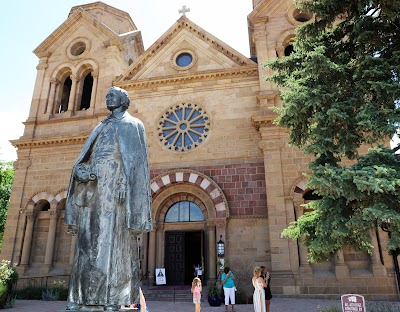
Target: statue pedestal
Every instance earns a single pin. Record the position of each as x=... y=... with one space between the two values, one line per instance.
x=101 y=310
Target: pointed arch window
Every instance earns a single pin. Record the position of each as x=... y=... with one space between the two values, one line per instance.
x=184 y=211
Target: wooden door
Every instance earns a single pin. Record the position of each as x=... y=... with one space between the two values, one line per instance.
x=175 y=258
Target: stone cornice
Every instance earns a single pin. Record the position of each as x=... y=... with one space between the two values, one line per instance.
x=239 y=72
x=264 y=121
x=34 y=121
x=50 y=141
x=248 y=217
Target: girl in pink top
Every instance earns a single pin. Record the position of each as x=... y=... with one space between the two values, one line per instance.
x=196 y=290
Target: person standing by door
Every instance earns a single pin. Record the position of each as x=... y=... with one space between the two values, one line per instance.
x=228 y=282
x=196 y=291
x=259 y=294
x=268 y=295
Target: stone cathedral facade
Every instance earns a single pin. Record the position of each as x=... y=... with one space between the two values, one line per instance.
x=220 y=168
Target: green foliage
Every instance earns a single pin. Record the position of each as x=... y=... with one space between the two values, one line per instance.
x=213 y=291
x=30 y=293
x=6 y=182
x=8 y=280
x=342 y=92
x=8 y=273
x=42 y=293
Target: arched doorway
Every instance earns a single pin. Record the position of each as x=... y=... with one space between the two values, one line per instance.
x=189 y=212
x=183 y=249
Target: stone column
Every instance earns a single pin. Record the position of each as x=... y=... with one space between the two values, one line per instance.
x=152 y=255
x=378 y=269
x=260 y=40
x=159 y=244
x=305 y=267
x=52 y=97
x=341 y=269
x=95 y=75
x=39 y=86
x=26 y=249
x=51 y=238
x=271 y=144
x=212 y=254
x=144 y=256
x=72 y=95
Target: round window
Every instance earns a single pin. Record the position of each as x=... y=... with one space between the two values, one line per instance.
x=184 y=59
x=78 y=48
x=183 y=127
x=301 y=16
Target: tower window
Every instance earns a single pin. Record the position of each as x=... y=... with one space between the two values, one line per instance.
x=86 y=92
x=66 y=92
x=301 y=16
x=289 y=50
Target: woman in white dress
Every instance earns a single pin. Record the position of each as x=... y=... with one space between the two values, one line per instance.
x=259 y=294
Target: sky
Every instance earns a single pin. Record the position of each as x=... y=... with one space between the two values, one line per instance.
x=25 y=24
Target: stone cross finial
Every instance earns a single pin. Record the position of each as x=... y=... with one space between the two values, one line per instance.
x=184 y=10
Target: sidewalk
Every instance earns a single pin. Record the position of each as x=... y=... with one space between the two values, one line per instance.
x=277 y=305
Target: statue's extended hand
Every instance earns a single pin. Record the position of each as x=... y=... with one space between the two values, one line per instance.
x=121 y=193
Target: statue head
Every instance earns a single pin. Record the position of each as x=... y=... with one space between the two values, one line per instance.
x=123 y=96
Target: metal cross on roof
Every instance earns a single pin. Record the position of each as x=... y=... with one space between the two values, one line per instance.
x=184 y=10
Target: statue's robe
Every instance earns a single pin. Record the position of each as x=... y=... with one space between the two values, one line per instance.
x=106 y=268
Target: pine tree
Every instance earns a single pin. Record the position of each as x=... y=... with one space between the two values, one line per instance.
x=341 y=95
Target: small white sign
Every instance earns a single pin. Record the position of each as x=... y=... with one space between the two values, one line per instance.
x=160 y=276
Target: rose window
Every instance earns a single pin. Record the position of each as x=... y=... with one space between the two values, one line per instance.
x=183 y=127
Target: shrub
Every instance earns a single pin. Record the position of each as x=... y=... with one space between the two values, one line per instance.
x=8 y=278
x=49 y=292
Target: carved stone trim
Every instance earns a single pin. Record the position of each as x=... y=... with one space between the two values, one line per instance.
x=248 y=217
x=264 y=121
x=55 y=214
x=211 y=223
x=202 y=181
x=247 y=71
x=272 y=144
x=30 y=215
x=220 y=223
x=49 y=141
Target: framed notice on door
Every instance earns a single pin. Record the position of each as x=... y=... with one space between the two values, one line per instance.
x=160 y=276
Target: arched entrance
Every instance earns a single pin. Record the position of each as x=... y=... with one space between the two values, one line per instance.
x=184 y=249
x=189 y=212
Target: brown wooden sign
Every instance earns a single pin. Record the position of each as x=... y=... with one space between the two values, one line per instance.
x=353 y=303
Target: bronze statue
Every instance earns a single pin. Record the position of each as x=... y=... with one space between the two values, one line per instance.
x=108 y=204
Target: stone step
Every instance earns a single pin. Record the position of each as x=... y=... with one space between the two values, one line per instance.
x=168 y=293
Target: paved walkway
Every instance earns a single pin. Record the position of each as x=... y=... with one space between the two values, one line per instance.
x=277 y=305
